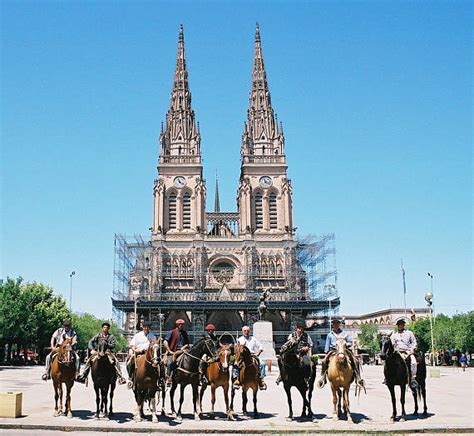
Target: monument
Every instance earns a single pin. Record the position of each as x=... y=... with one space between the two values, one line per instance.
x=263 y=330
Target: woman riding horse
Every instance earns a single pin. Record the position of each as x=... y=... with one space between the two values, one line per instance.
x=186 y=371
x=293 y=372
x=217 y=375
x=63 y=370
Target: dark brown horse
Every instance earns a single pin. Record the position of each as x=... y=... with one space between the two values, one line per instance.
x=63 y=370
x=104 y=378
x=149 y=379
x=293 y=373
x=186 y=373
x=217 y=374
x=396 y=373
x=249 y=377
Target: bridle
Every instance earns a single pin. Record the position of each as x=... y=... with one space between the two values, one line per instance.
x=155 y=358
x=65 y=353
x=224 y=366
x=200 y=359
x=341 y=352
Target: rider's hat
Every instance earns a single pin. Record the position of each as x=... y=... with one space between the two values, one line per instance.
x=67 y=323
x=179 y=321
x=106 y=323
x=335 y=321
x=210 y=327
x=301 y=324
x=146 y=323
x=401 y=321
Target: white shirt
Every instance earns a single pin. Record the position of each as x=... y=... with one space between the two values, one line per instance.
x=251 y=343
x=141 y=341
x=404 y=341
x=310 y=341
x=60 y=334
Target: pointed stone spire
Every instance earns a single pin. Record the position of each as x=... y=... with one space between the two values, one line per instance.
x=261 y=136
x=180 y=141
x=217 y=204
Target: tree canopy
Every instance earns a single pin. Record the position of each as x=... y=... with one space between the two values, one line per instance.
x=369 y=339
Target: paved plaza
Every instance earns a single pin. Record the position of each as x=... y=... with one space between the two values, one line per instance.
x=450 y=407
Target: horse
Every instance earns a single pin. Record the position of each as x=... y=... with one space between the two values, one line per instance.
x=104 y=377
x=217 y=374
x=186 y=372
x=249 y=377
x=396 y=373
x=292 y=375
x=149 y=379
x=340 y=376
x=63 y=370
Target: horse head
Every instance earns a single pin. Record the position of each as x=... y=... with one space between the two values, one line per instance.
x=289 y=347
x=65 y=354
x=101 y=347
x=224 y=357
x=242 y=355
x=386 y=346
x=341 y=349
x=153 y=354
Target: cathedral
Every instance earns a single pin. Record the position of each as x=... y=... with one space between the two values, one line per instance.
x=212 y=267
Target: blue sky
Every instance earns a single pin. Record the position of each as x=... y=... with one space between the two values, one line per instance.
x=375 y=99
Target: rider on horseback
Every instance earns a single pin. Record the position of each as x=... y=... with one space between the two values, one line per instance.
x=305 y=344
x=210 y=334
x=138 y=345
x=404 y=342
x=108 y=342
x=57 y=339
x=176 y=341
x=256 y=349
x=330 y=348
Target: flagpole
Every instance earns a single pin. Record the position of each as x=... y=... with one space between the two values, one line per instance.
x=404 y=288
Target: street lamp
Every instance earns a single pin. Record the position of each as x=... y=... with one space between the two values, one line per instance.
x=135 y=293
x=429 y=302
x=73 y=273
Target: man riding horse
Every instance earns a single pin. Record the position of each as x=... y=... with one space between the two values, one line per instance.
x=138 y=345
x=57 y=339
x=106 y=342
x=210 y=334
x=256 y=349
x=330 y=348
x=176 y=341
x=305 y=345
x=404 y=342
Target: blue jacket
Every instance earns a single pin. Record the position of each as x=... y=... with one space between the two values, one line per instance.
x=331 y=340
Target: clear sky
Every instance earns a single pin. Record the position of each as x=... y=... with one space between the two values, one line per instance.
x=375 y=99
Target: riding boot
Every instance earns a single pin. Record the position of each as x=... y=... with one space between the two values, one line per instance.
x=131 y=373
x=120 y=377
x=85 y=372
x=324 y=369
x=47 y=374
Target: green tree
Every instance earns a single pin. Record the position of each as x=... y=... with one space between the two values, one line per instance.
x=368 y=338
x=422 y=332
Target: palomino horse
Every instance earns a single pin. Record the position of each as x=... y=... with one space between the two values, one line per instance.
x=217 y=374
x=149 y=379
x=63 y=370
x=187 y=372
x=291 y=372
x=104 y=378
x=396 y=373
x=340 y=375
x=249 y=377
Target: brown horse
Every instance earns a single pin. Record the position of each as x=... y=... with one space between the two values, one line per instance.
x=249 y=377
x=149 y=379
x=340 y=375
x=63 y=370
x=217 y=374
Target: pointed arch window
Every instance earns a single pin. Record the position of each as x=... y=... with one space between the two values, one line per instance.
x=273 y=211
x=258 y=208
x=187 y=210
x=172 y=210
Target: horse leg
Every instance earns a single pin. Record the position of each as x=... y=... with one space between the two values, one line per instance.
x=423 y=393
x=112 y=389
x=244 y=400
x=213 y=399
x=68 y=410
x=415 y=399
x=402 y=400
x=163 y=397
x=391 y=388
x=56 y=399
x=138 y=413
x=339 y=401
x=335 y=416
x=103 y=402
x=60 y=410
x=197 y=402
x=154 y=418
x=346 y=404
x=172 y=391
x=302 y=391
x=255 y=411
x=230 y=416
x=97 y=401
x=106 y=400
x=232 y=395
x=181 y=399
x=290 y=403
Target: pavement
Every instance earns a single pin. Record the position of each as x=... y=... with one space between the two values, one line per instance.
x=449 y=398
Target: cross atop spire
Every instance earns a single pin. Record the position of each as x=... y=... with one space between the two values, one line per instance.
x=261 y=135
x=180 y=139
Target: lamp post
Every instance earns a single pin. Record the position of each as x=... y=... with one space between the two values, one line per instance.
x=429 y=302
x=73 y=273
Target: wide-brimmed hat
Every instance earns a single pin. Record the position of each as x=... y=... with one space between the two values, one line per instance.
x=67 y=323
x=179 y=321
x=146 y=323
x=335 y=321
x=210 y=327
x=401 y=321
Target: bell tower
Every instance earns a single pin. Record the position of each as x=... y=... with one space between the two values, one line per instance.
x=264 y=196
x=179 y=191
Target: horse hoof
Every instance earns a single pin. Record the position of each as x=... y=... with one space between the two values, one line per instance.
x=231 y=417
x=289 y=418
x=137 y=419
x=402 y=419
x=179 y=418
x=335 y=418
x=154 y=419
x=392 y=419
x=212 y=416
x=197 y=418
x=314 y=420
x=69 y=415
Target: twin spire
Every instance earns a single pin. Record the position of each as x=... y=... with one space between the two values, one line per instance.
x=262 y=137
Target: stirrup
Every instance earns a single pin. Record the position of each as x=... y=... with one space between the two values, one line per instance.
x=121 y=381
x=262 y=385
x=236 y=384
x=321 y=383
x=130 y=384
x=45 y=377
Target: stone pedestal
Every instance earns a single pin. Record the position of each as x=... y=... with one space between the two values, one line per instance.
x=10 y=404
x=263 y=331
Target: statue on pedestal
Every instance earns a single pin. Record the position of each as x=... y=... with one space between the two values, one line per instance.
x=262 y=308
